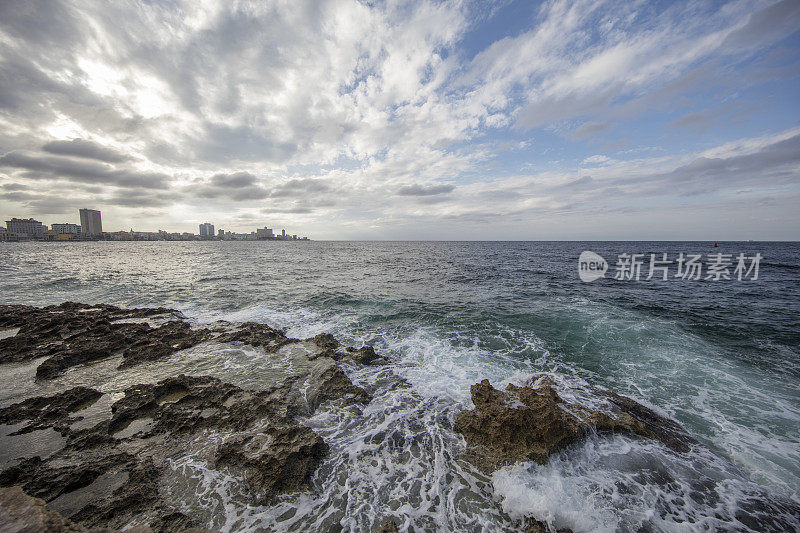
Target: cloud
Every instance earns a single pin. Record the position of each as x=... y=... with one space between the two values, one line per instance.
x=345 y=112
x=38 y=167
x=596 y=159
x=85 y=149
x=139 y=198
x=14 y=186
x=422 y=190
x=587 y=129
x=300 y=187
x=769 y=24
x=698 y=121
x=236 y=186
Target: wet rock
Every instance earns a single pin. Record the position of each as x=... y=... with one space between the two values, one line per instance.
x=389 y=526
x=329 y=382
x=203 y=403
x=537 y=526
x=71 y=334
x=135 y=341
x=254 y=334
x=49 y=411
x=363 y=356
x=658 y=427
x=136 y=501
x=326 y=341
x=42 y=479
x=161 y=342
x=107 y=471
x=106 y=475
x=279 y=459
x=25 y=514
x=532 y=422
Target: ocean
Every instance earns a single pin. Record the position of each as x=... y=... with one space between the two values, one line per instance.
x=720 y=357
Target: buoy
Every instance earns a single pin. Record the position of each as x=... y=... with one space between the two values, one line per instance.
x=715 y=245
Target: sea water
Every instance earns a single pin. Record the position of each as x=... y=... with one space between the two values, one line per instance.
x=722 y=358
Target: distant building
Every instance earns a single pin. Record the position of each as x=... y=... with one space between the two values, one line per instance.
x=25 y=228
x=221 y=234
x=206 y=230
x=91 y=225
x=66 y=229
x=283 y=234
x=264 y=233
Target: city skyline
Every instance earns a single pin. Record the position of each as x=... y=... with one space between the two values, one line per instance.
x=90 y=228
x=463 y=120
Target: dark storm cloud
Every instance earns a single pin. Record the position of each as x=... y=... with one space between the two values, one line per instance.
x=422 y=190
x=85 y=149
x=56 y=167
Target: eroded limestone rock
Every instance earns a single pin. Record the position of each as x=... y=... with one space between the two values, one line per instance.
x=279 y=459
x=533 y=422
x=20 y=513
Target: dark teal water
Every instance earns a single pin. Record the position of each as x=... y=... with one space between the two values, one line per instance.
x=723 y=358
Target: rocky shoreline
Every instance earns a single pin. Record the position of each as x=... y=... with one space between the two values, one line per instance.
x=93 y=459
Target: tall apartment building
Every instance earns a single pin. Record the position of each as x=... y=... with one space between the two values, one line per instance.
x=264 y=233
x=207 y=230
x=91 y=225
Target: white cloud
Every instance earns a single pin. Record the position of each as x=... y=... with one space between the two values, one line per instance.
x=368 y=98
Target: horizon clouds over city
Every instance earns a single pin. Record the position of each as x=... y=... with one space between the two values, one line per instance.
x=412 y=120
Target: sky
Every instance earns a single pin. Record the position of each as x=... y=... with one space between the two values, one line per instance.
x=406 y=120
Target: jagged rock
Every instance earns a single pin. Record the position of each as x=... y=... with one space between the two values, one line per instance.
x=161 y=342
x=278 y=454
x=329 y=382
x=41 y=480
x=279 y=459
x=326 y=341
x=658 y=427
x=20 y=513
x=531 y=423
x=71 y=334
x=46 y=411
x=389 y=526
x=201 y=402
x=536 y=526
x=364 y=356
x=108 y=475
x=255 y=334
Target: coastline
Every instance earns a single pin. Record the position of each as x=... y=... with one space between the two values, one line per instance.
x=102 y=456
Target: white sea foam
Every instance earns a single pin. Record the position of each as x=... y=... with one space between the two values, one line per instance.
x=399 y=457
x=622 y=483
